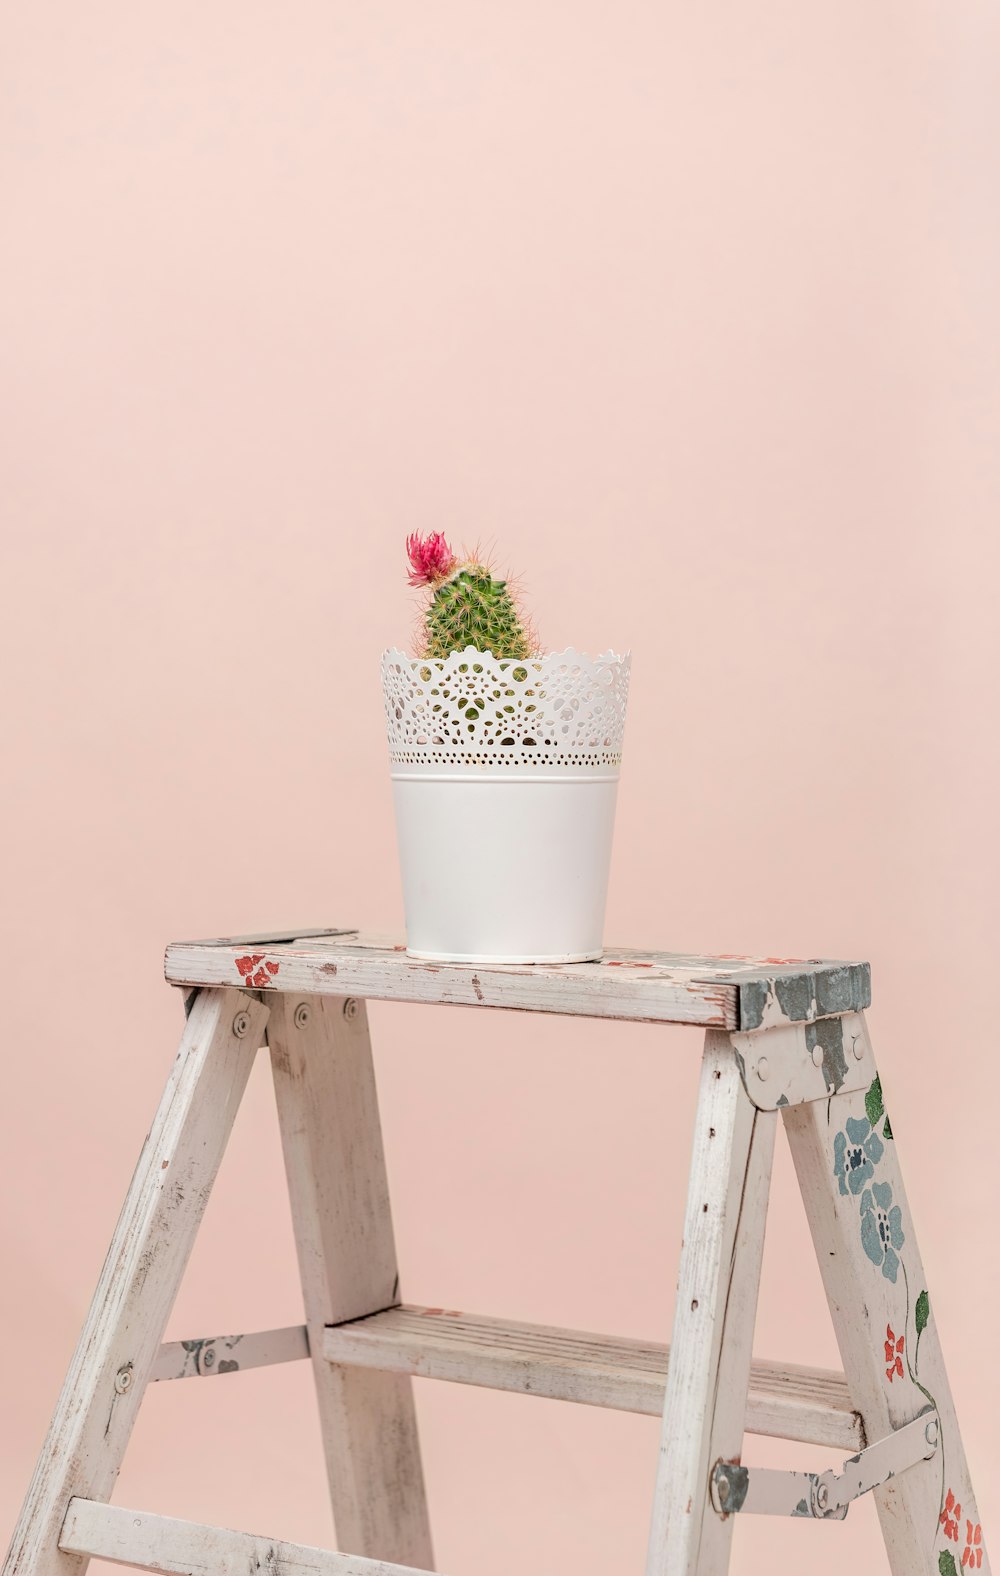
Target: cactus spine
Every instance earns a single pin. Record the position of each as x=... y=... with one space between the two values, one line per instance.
x=468 y=607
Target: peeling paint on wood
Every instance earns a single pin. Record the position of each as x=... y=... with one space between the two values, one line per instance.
x=796 y=1062
x=95 y=1413
x=178 y=1548
x=655 y=987
x=257 y=971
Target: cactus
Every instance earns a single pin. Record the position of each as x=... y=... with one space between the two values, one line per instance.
x=468 y=607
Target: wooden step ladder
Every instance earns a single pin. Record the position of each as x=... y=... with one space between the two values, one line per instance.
x=782 y=1036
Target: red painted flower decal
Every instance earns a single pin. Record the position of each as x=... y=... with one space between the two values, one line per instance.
x=431 y=559
x=257 y=970
x=893 y=1353
x=951 y=1516
x=972 y=1554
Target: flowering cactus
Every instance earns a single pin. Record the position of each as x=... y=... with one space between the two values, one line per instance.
x=467 y=606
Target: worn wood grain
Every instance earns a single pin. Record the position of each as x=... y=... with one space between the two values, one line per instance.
x=187 y=1548
x=710 y=1357
x=811 y=1405
x=324 y=1083
x=657 y=987
x=149 y=1251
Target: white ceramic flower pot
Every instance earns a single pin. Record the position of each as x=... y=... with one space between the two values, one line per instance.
x=505 y=775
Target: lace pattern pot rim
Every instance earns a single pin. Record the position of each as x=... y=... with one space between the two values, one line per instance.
x=557 y=709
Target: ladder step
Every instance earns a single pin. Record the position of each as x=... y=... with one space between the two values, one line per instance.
x=177 y=1548
x=810 y=1405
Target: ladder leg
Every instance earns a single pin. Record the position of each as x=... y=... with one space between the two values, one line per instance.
x=325 y=1089
x=712 y=1343
x=110 y=1368
x=848 y=1169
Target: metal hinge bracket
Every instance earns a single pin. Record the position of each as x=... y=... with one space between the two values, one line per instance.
x=824 y=1495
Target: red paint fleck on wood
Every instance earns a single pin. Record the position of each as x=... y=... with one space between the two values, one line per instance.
x=252 y=972
x=625 y=963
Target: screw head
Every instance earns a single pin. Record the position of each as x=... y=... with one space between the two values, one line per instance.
x=208 y=1358
x=822 y=1495
x=722 y=1485
x=302 y=1014
x=351 y=1007
x=817 y=1055
x=763 y=1069
x=241 y=1025
x=931 y=1433
x=123 y=1379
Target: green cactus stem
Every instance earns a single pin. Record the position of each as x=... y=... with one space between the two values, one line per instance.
x=468 y=607
x=473 y=609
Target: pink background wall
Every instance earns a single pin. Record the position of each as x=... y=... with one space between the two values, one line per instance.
x=692 y=312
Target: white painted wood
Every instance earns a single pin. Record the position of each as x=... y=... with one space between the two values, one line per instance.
x=228 y=1354
x=710 y=1357
x=188 y=1548
x=788 y=1402
x=325 y=1088
x=839 y=1168
x=150 y=1248
x=805 y=1061
x=659 y=987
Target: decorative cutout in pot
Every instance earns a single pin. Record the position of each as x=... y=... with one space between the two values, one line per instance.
x=505 y=767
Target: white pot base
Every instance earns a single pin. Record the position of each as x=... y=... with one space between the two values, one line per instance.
x=499 y=870
x=484 y=957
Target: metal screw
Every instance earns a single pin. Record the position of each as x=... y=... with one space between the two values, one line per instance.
x=722 y=1485
x=302 y=1015
x=763 y=1069
x=241 y=1024
x=351 y=1007
x=817 y=1055
x=123 y=1378
x=931 y=1433
x=208 y=1358
x=822 y=1495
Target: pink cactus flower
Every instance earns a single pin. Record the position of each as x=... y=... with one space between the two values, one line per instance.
x=431 y=559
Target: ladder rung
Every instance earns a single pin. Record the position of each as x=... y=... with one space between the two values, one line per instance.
x=810 y=1405
x=162 y=1543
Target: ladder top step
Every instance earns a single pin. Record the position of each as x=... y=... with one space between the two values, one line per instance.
x=659 y=987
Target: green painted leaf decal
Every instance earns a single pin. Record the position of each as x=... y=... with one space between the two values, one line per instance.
x=946 y=1563
x=887 y=1129
x=873 y=1101
x=922 y=1312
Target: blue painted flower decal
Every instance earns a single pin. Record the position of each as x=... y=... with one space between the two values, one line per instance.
x=856 y=1153
x=882 y=1228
